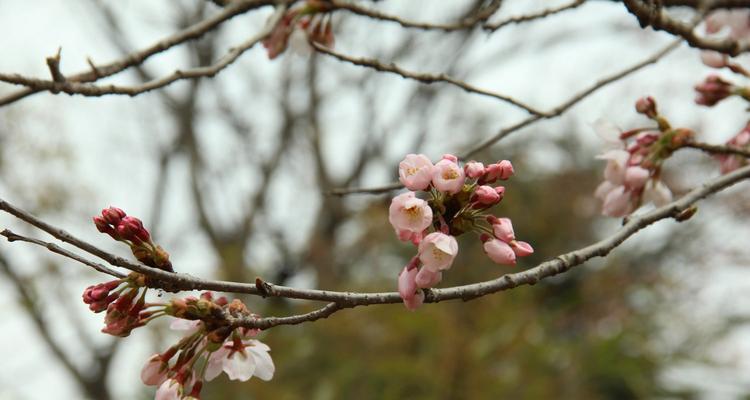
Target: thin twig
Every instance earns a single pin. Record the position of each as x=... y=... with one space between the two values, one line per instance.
x=555 y=112
x=136 y=58
x=654 y=16
x=421 y=76
x=270 y=322
x=466 y=23
x=530 y=17
x=718 y=149
x=13 y=237
x=93 y=90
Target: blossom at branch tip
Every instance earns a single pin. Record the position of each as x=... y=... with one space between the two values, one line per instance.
x=409 y=213
x=501 y=170
x=415 y=172
x=437 y=251
x=241 y=360
x=447 y=176
x=499 y=252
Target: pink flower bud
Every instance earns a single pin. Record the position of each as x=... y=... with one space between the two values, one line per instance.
x=451 y=158
x=437 y=251
x=415 y=171
x=474 y=169
x=427 y=278
x=486 y=196
x=447 y=177
x=499 y=252
x=113 y=215
x=503 y=229
x=522 y=249
x=646 y=106
x=713 y=90
x=102 y=225
x=713 y=59
x=501 y=170
x=407 y=285
x=415 y=302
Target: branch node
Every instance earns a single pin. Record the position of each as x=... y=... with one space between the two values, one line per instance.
x=53 y=63
x=264 y=288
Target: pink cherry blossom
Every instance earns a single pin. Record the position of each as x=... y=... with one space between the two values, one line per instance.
x=617 y=202
x=169 y=390
x=154 y=373
x=658 y=193
x=448 y=177
x=636 y=177
x=427 y=278
x=437 y=251
x=187 y=326
x=499 y=252
x=730 y=162
x=415 y=171
x=474 y=169
x=409 y=213
x=241 y=360
x=616 y=163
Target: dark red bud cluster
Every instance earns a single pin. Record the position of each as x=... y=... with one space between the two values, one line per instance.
x=713 y=90
x=98 y=297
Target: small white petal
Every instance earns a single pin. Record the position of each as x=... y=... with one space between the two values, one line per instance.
x=239 y=367
x=264 y=367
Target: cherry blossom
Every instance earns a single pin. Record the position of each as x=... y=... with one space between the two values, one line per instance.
x=447 y=177
x=415 y=171
x=241 y=360
x=437 y=251
x=409 y=213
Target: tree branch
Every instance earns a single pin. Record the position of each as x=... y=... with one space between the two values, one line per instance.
x=530 y=17
x=97 y=72
x=93 y=90
x=556 y=112
x=421 y=77
x=653 y=15
x=174 y=281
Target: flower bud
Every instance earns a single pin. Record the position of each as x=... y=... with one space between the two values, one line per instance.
x=113 y=215
x=713 y=90
x=474 y=169
x=646 y=106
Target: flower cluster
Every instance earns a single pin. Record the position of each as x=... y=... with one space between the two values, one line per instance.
x=309 y=20
x=634 y=159
x=129 y=230
x=125 y=303
x=458 y=199
x=213 y=342
x=209 y=347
